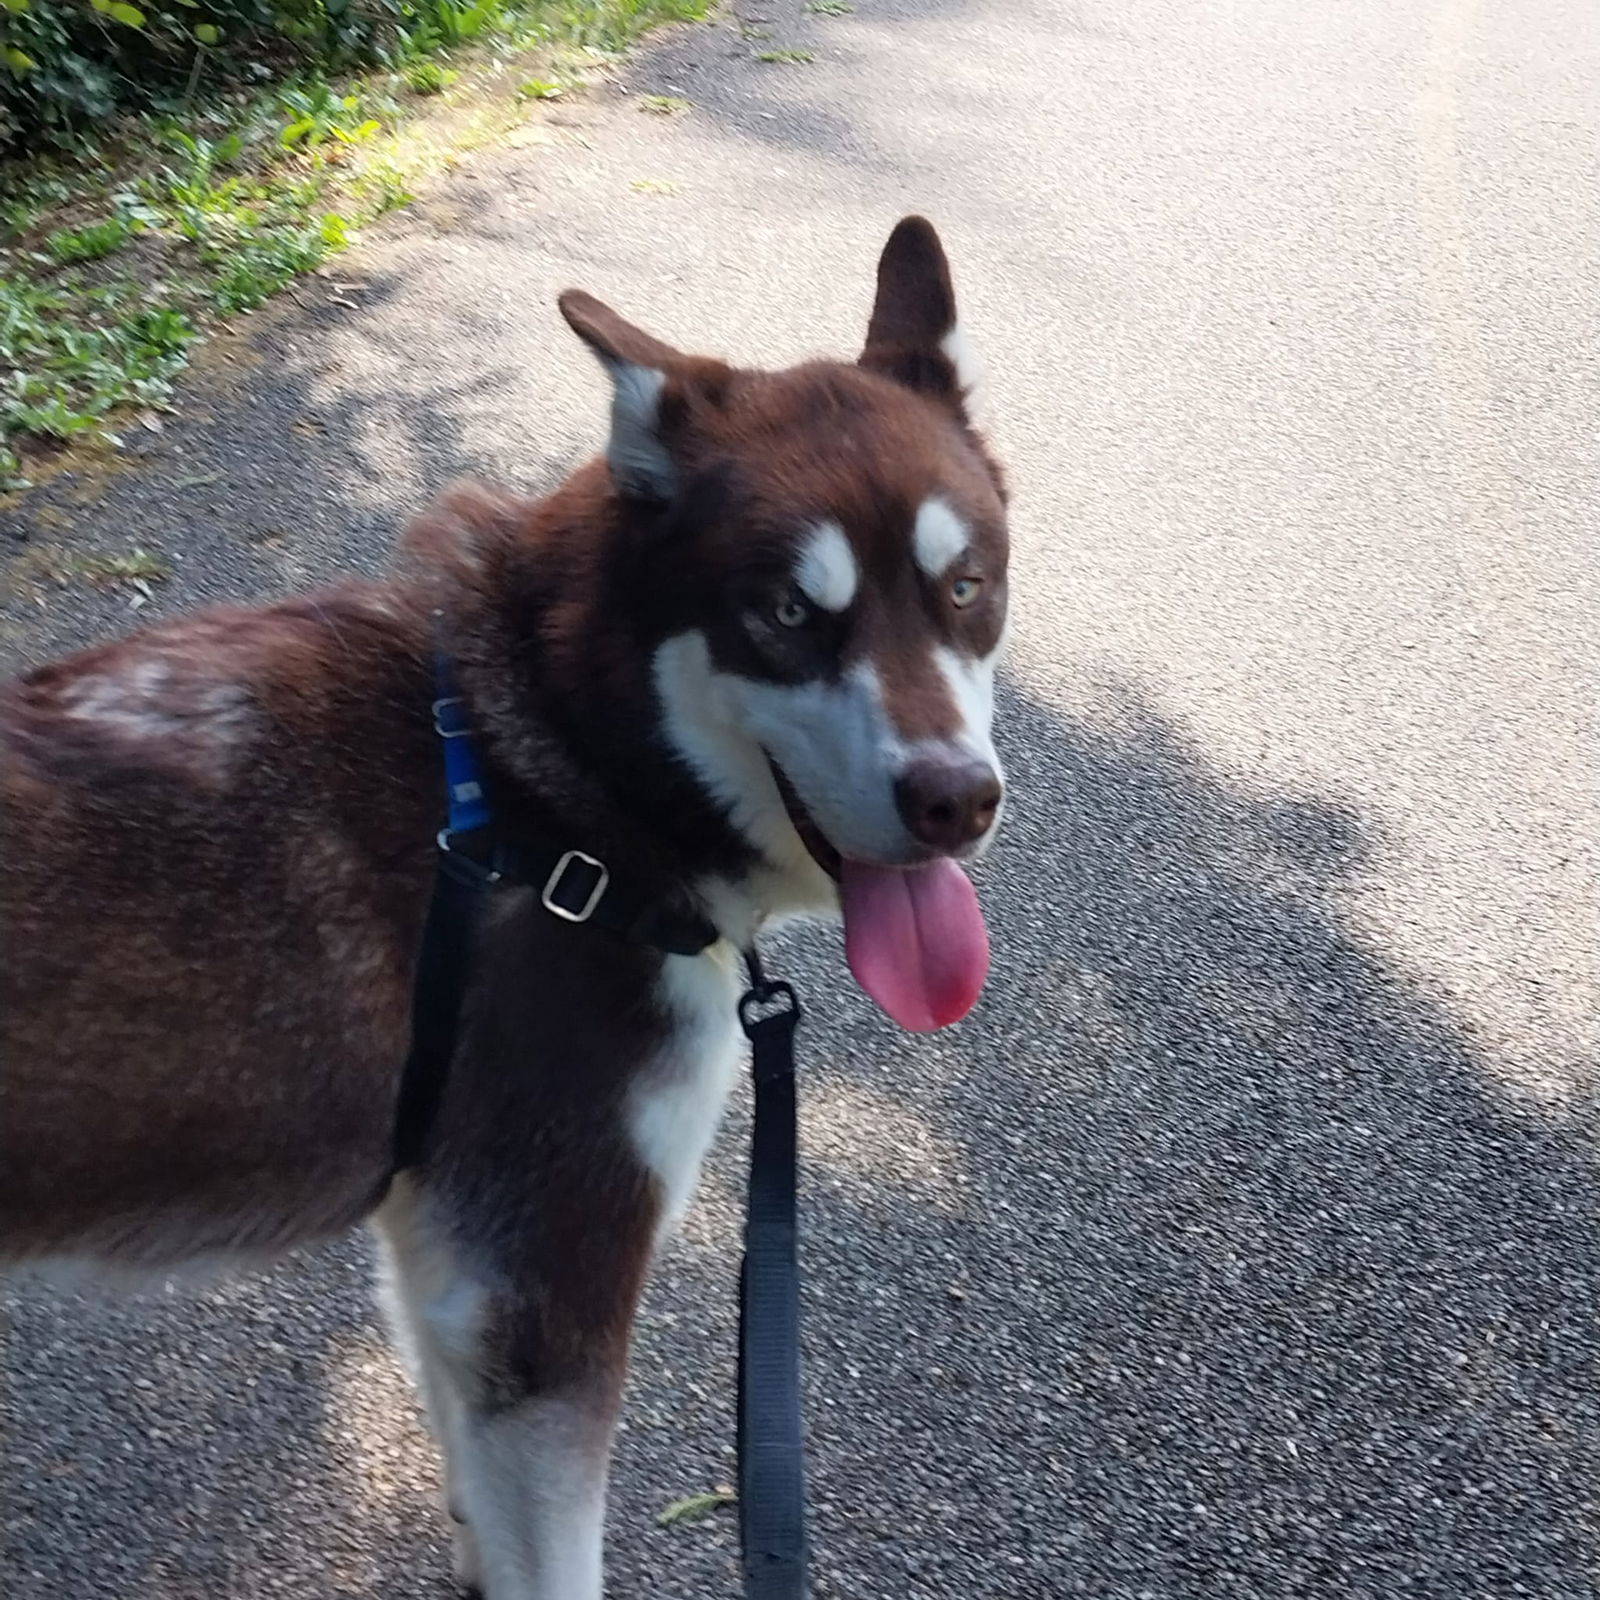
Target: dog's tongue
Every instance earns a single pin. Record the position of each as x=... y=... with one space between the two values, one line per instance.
x=915 y=940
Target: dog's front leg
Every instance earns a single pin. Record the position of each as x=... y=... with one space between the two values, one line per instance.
x=419 y=1274
x=526 y=1339
x=533 y=1486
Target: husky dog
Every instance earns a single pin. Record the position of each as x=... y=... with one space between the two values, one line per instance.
x=744 y=659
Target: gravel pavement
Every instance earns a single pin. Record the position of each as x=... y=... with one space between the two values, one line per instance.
x=1246 y=1243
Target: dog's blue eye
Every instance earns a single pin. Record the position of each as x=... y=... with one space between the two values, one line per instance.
x=965 y=590
x=793 y=612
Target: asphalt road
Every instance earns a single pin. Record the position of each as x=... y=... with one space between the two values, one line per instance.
x=1247 y=1241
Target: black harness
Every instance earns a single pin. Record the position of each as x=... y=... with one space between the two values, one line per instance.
x=473 y=860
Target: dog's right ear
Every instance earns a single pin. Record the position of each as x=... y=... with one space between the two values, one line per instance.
x=652 y=387
x=915 y=335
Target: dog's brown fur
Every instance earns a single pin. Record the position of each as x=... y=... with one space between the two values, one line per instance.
x=209 y=907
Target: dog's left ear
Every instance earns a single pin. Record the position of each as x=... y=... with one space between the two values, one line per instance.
x=914 y=336
x=654 y=390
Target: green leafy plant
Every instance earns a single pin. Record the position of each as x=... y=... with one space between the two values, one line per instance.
x=268 y=261
x=92 y=242
x=318 y=113
x=71 y=64
x=137 y=566
x=428 y=77
x=664 y=105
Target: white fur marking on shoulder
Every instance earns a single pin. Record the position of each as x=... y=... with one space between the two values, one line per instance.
x=827 y=571
x=676 y=1103
x=939 y=537
x=959 y=353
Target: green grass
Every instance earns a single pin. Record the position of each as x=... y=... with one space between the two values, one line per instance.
x=73 y=356
x=829 y=8
x=664 y=105
x=90 y=243
x=236 y=199
x=787 y=57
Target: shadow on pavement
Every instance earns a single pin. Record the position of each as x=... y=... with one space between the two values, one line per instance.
x=270 y=477
x=1258 y=1280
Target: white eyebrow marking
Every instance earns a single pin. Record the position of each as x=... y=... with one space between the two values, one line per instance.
x=827 y=569
x=940 y=536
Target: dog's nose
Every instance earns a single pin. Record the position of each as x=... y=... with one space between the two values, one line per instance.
x=948 y=803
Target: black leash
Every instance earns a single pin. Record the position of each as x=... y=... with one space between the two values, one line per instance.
x=577 y=888
x=772 y=1490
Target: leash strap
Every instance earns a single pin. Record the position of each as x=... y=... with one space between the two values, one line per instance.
x=772 y=1495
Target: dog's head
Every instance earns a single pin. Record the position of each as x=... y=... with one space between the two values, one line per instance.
x=822 y=577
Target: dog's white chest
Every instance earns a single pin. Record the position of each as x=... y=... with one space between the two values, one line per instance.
x=677 y=1100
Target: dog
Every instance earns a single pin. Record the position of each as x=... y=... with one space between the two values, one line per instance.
x=743 y=662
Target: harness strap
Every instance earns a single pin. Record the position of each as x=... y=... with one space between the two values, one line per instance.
x=437 y=993
x=576 y=887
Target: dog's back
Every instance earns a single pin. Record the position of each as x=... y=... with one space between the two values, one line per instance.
x=208 y=897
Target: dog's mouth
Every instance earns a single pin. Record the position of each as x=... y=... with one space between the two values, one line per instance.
x=811 y=836
x=914 y=935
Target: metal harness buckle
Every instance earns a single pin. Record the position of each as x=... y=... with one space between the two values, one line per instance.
x=446 y=726
x=547 y=895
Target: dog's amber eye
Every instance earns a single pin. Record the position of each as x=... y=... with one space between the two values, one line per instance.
x=965 y=590
x=793 y=612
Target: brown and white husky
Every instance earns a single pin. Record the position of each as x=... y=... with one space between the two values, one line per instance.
x=744 y=659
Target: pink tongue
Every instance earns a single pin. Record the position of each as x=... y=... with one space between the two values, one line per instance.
x=916 y=940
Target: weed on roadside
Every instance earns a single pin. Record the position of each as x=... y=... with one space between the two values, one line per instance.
x=787 y=57
x=428 y=77
x=137 y=566
x=695 y=1507
x=90 y=243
